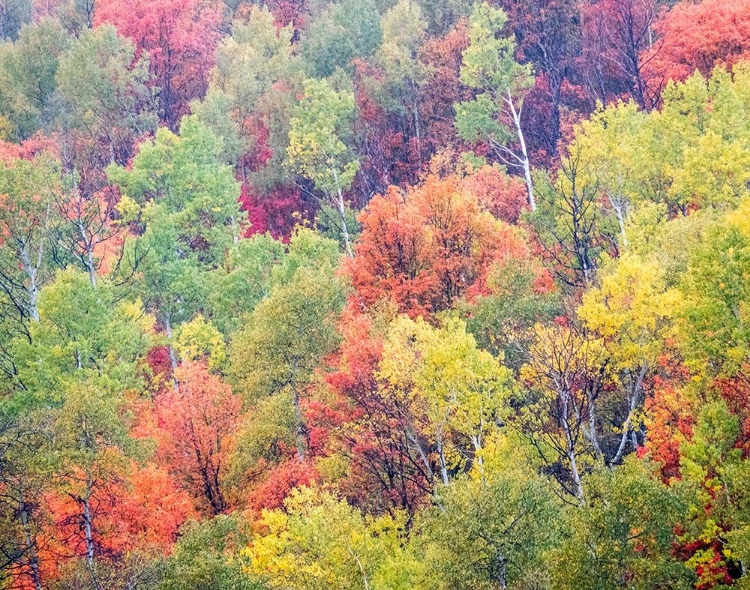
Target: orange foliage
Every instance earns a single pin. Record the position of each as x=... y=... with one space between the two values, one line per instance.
x=282 y=479
x=669 y=420
x=699 y=36
x=427 y=247
x=197 y=421
x=154 y=508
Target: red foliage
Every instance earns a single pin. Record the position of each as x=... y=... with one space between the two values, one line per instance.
x=394 y=154
x=289 y=11
x=153 y=509
x=282 y=479
x=27 y=149
x=197 y=421
x=427 y=247
x=180 y=37
x=670 y=417
x=159 y=362
x=698 y=36
x=277 y=211
x=383 y=472
x=616 y=33
x=142 y=511
x=443 y=90
x=502 y=195
x=735 y=392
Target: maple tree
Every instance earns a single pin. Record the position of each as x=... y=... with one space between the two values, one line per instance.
x=723 y=40
x=426 y=248
x=198 y=420
x=179 y=36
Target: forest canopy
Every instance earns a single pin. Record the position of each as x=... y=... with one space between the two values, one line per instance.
x=377 y=294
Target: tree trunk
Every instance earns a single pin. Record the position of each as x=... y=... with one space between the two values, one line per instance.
x=88 y=534
x=172 y=353
x=516 y=115
x=89 y=254
x=299 y=429
x=31 y=549
x=627 y=427
x=570 y=451
x=443 y=464
x=342 y=214
x=33 y=288
x=501 y=575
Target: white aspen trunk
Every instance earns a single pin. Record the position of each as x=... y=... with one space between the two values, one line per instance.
x=172 y=353
x=299 y=430
x=618 y=206
x=592 y=431
x=516 y=115
x=476 y=441
x=33 y=288
x=570 y=448
x=89 y=537
x=627 y=427
x=342 y=214
x=422 y=454
x=89 y=253
x=361 y=568
x=501 y=570
x=443 y=464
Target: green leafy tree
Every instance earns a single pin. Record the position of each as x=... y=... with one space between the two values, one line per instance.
x=712 y=318
x=289 y=332
x=490 y=529
x=250 y=66
x=243 y=281
x=404 y=33
x=104 y=94
x=208 y=557
x=340 y=33
x=28 y=83
x=622 y=537
x=316 y=144
x=183 y=199
x=13 y=15
x=494 y=116
x=28 y=193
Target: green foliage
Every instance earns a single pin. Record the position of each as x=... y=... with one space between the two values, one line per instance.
x=341 y=33
x=243 y=281
x=29 y=190
x=490 y=529
x=82 y=333
x=28 y=81
x=104 y=91
x=500 y=320
x=290 y=331
x=208 y=557
x=185 y=200
x=715 y=288
x=249 y=64
x=316 y=138
x=489 y=66
x=621 y=537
